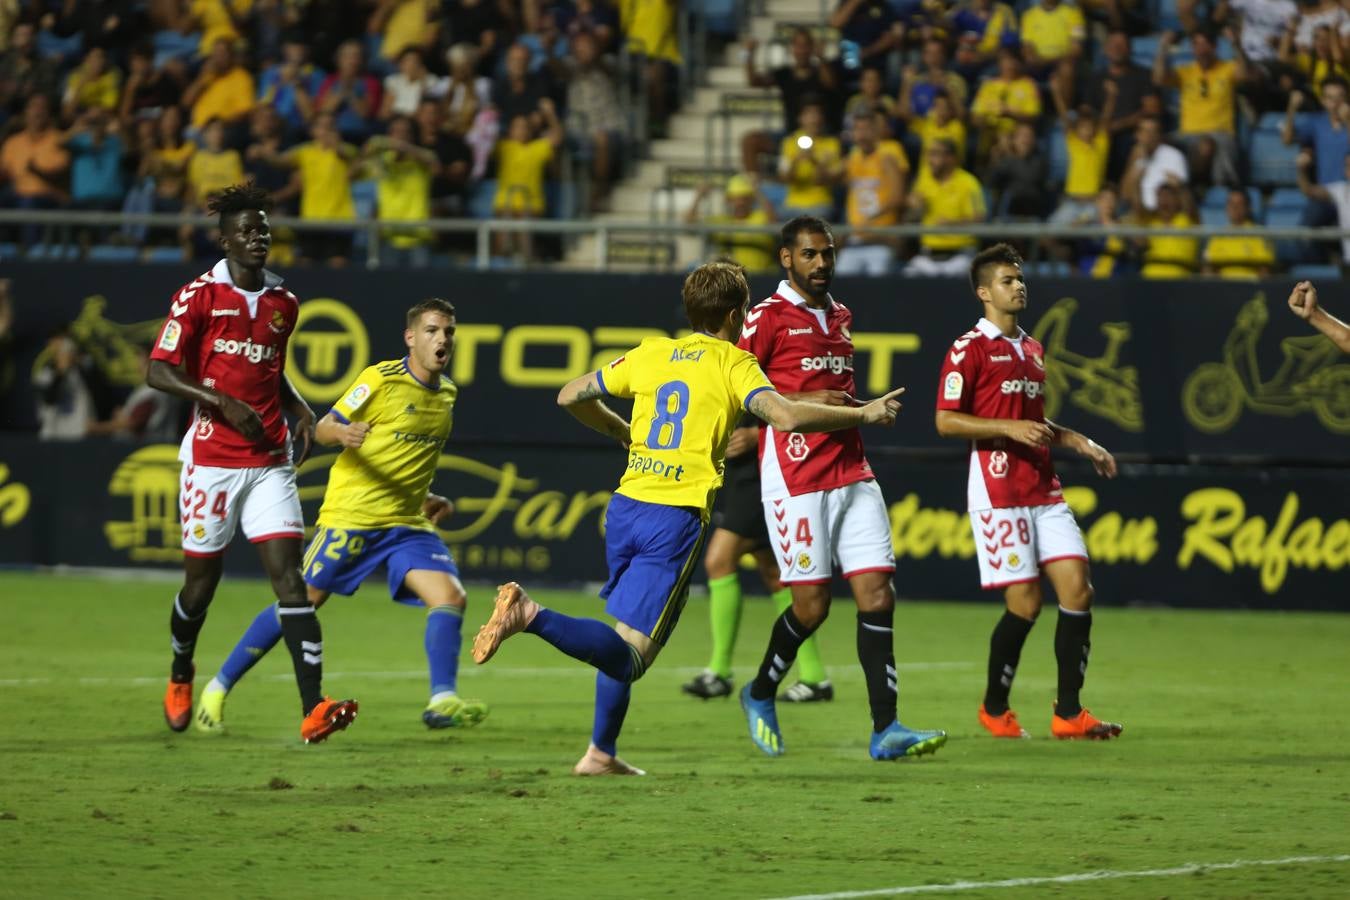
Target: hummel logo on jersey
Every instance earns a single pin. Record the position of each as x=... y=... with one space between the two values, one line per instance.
x=1007 y=357
x=1032 y=389
x=254 y=353
x=224 y=312
x=794 y=331
x=832 y=363
x=681 y=355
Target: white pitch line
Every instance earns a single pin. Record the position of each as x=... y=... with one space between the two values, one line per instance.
x=508 y=671
x=1108 y=875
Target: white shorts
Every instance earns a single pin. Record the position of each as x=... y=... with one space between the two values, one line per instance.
x=848 y=525
x=1012 y=544
x=214 y=502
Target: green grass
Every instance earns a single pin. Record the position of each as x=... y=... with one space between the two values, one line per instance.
x=1234 y=748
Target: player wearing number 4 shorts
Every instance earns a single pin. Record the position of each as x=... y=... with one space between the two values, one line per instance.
x=378 y=514
x=687 y=396
x=821 y=502
x=991 y=394
x=223 y=347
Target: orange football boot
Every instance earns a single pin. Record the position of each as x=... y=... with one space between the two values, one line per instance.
x=178 y=703
x=329 y=716
x=1003 y=726
x=1084 y=726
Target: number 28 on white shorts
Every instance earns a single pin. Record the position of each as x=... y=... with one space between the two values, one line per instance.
x=1013 y=543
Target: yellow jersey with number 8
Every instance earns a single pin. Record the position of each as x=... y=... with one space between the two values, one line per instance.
x=688 y=394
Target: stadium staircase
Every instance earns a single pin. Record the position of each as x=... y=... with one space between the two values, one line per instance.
x=703 y=143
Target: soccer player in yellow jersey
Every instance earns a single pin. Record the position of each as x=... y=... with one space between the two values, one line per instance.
x=378 y=513
x=688 y=394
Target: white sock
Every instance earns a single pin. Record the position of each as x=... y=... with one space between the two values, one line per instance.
x=215 y=685
x=441 y=695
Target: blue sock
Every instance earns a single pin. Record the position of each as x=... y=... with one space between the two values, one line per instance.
x=443 y=629
x=591 y=641
x=262 y=635
x=611 y=705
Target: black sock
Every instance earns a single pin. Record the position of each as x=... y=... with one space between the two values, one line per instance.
x=183 y=631
x=876 y=652
x=1005 y=650
x=1071 y=652
x=304 y=638
x=787 y=637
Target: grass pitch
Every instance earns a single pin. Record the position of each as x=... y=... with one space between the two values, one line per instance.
x=1234 y=749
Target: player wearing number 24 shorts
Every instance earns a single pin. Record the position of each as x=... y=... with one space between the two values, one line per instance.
x=991 y=393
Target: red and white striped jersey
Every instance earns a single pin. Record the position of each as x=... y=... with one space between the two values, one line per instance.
x=991 y=376
x=235 y=342
x=804 y=349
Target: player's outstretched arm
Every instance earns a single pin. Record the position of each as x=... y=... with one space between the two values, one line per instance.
x=802 y=416
x=953 y=424
x=332 y=433
x=1084 y=446
x=1303 y=303
x=581 y=397
x=172 y=380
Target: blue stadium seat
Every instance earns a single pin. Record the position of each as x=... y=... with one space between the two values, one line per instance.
x=1143 y=49
x=480 y=204
x=1286 y=198
x=1284 y=216
x=1216 y=199
x=1164 y=14
x=1213 y=215
x=112 y=253
x=1315 y=272
x=1272 y=163
x=1057 y=154
x=164 y=255
x=721 y=17
x=9 y=251
x=775 y=192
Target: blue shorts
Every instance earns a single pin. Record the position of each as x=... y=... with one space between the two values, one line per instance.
x=339 y=559
x=652 y=551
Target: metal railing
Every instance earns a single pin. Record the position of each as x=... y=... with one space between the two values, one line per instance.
x=604 y=231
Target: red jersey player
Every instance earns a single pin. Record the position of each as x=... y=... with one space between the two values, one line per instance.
x=822 y=505
x=223 y=347
x=992 y=394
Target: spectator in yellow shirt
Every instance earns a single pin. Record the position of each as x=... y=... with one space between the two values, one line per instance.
x=1325 y=59
x=941 y=124
x=876 y=172
x=404 y=24
x=522 y=160
x=918 y=86
x=651 y=29
x=1172 y=256
x=810 y=163
x=1087 y=143
x=982 y=28
x=1239 y=256
x=746 y=206
x=323 y=166
x=403 y=172
x=1208 y=89
x=1051 y=30
x=1003 y=102
x=92 y=85
x=214 y=167
x=945 y=195
x=223 y=90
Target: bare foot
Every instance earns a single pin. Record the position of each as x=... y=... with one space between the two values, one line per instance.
x=597 y=762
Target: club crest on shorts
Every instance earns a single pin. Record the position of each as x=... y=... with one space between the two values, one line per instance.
x=199 y=532
x=1014 y=562
x=998 y=464
x=804 y=562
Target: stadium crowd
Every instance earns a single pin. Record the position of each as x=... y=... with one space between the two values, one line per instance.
x=396 y=109
x=1168 y=112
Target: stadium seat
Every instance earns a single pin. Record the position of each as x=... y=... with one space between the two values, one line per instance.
x=164 y=255
x=1272 y=163
x=1286 y=198
x=1315 y=272
x=480 y=204
x=1216 y=200
x=1143 y=49
x=720 y=17
x=1164 y=14
x=9 y=251
x=775 y=192
x=112 y=253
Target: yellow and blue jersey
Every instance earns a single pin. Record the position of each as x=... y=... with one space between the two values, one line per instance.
x=688 y=394
x=384 y=482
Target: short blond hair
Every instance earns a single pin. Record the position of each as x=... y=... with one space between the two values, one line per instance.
x=713 y=290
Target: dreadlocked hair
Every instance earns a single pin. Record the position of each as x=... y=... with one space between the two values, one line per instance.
x=239 y=198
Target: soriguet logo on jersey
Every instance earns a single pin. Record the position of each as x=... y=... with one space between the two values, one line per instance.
x=681 y=355
x=168 y=341
x=836 y=364
x=254 y=353
x=1032 y=389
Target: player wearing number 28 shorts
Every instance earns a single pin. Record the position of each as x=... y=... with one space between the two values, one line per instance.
x=821 y=503
x=991 y=393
